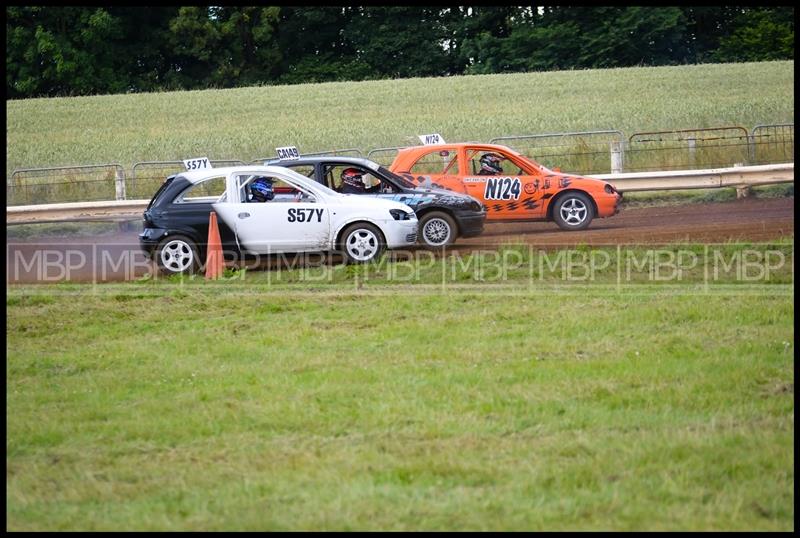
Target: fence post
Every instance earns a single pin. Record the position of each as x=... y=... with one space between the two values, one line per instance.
x=692 y=144
x=751 y=146
x=616 y=158
x=119 y=184
x=743 y=191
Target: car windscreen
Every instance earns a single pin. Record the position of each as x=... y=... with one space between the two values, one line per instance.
x=400 y=180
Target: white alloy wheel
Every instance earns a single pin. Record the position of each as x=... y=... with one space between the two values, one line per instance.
x=574 y=211
x=362 y=243
x=177 y=255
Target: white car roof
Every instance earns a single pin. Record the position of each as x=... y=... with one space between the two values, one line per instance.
x=194 y=176
x=281 y=172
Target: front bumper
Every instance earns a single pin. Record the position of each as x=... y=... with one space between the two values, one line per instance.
x=400 y=233
x=608 y=205
x=470 y=224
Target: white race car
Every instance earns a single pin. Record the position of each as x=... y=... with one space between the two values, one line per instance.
x=297 y=214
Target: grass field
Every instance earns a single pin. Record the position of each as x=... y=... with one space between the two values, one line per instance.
x=269 y=402
x=250 y=123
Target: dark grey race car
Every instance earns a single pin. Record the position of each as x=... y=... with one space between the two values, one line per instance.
x=443 y=215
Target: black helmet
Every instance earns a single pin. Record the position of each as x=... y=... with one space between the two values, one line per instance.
x=490 y=163
x=353 y=177
x=261 y=189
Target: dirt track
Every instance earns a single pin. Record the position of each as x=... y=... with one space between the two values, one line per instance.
x=116 y=257
x=740 y=220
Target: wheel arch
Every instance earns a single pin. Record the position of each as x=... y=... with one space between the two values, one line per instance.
x=554 y=201
x=200 y=244
x=337 y=243
x=439 y=209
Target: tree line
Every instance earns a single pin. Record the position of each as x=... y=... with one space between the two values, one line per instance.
x=57 y=51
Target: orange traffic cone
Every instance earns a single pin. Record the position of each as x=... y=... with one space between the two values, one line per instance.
x=215 y=263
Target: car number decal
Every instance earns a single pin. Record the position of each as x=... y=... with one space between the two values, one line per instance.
x=298 y=214
x=200 y=163
x=502 y=188
x=288 y=152
x=430 y=139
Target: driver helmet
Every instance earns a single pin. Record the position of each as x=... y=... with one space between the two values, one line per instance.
x=353 y=178
x=261 y=189
x=490 y=163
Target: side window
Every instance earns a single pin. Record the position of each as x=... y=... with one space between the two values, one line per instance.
x=278 y=190
x=491 y=163
x=333 y=178
x=437 y=162
x=304 y=170
x=204 y=192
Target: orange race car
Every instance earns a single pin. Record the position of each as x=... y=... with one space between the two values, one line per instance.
x=512 y=186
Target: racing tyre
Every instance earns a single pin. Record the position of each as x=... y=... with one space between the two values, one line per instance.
x=437 y=229
x=573 y=211
x=362 y=243
x=177 y=254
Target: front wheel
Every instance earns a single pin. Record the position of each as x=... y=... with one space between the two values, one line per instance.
x=177 y=254
x=437 y=229
x=573 y=211
x=362 y=243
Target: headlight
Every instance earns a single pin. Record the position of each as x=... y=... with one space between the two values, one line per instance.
x=609 y=188
x=399 y=214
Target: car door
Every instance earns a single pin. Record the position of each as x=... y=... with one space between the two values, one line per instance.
x=513 y=193
x=294 y=221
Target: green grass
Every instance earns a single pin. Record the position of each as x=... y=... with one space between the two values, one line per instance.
x=259 y=403
x=249 y=123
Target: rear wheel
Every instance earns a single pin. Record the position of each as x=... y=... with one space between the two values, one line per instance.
x=177 y=254
x=437 y=229
x=362 y=243
x=573 y=211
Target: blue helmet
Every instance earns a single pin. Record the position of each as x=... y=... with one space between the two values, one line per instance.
x=261 y=189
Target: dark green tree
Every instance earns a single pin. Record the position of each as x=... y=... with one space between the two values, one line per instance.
x=249 y=53
x=705 y=26
x=71 y=50
x=759 y=35
x=395 y=42
x=479 y=36
x=635 y=36
x=316 y=46
x=66 y=51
